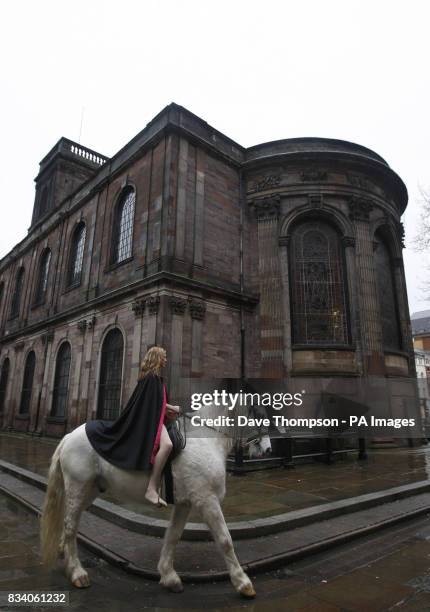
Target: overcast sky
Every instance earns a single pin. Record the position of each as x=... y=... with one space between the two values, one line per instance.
x=257 y=71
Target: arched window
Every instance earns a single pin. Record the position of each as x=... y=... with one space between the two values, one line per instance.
x=388 y=310
x=76 y=255
x=3 y=382
x=27 y=384
x=319 y=302
x=123 y=227
x=16 y=298
x=61 y=382
x=42 y=279
x=110 y=376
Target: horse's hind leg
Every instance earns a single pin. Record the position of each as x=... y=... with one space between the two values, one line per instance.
x=169 y=578
x=211 y=512
x=79 y=496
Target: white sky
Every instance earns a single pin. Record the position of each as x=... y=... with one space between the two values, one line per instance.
x=257 y=71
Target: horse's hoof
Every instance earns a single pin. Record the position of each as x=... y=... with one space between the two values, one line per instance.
x=82 y=582
x=173 y=587
x=248 y=591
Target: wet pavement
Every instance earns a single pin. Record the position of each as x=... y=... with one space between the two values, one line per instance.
x=268 y=492
x=389 y=571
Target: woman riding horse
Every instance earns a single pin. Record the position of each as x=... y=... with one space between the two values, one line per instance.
x=138 y=439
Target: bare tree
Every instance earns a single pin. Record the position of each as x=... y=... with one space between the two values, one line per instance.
x=421 y=241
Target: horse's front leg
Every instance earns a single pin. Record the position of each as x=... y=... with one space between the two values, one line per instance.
x=169 y=577
x=210 y=509
x=77 y=497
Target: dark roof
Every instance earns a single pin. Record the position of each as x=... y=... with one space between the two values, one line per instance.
x=420 y=325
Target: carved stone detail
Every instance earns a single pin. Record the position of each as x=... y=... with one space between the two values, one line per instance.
x=313 y=175
x=47 y=337
x=177 y=304
x=85 y=324
x=401 y=233
x=268 y=182
x=197 y=310
x=360 y=208
x=138 y=307
x=266 y=208
x=153 y=303
x=284 y=240
x=348 y=241
x=315 y=200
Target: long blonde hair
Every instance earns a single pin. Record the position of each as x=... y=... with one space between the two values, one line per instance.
x=152 y=362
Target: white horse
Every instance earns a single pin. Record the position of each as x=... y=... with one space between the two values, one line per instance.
x=77 y=475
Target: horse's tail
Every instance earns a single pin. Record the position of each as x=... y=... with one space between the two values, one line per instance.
x=52 y=519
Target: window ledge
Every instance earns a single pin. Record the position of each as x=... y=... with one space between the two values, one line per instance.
x=323 y=347
x=37 y=304
x=71 y=287
x=113 y=266
x=56 y=419
x=22 y=417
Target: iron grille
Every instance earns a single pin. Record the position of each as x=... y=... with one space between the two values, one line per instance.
x=3 y=382
x=77 y=255
x=61 y=383
x=27 y=384
x=123 y=230
x=110 y=376
x=387 y=296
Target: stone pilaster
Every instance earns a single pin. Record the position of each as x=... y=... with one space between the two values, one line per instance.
x=177 y=306
x=266 y=211
x=197 y=312
x=370 y=325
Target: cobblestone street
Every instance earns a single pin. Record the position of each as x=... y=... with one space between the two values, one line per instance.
x=387 y=572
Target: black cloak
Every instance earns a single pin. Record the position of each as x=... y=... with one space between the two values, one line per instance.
x=131 y=441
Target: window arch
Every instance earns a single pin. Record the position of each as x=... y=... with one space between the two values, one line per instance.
x=319 y=300
x=61 y=381
x=27 y=383
x=16 y=298
x=388 y=307
x=110 y=376
x=122 y=245
x=76 y=255
x=4 y=377
x=42 y=279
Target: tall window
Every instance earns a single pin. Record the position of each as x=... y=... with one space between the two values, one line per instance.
x=61 y=382
x=3 y=382
x=387 y=295
x=318 y=285
x=123 y=227
x=110 y=376
x=1 y=292
x=76 y=255
x=16 y=298
x=27 y=384
x=42 y=280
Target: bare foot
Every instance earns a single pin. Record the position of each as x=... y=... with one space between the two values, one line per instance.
x=155 y=499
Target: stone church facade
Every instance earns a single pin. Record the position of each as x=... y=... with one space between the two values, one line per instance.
x=280 y=261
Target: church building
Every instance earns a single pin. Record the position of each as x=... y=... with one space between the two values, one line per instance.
x=278 y=261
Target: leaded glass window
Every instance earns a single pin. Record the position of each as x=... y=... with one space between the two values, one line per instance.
x=3 y=382
x=318 y=285
x=16 y=298
x=42 y=281
x=77 y=255
x=61 y=382
x=27 y=385
x=123 y=227
x=110 y=376
x=387 y=296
